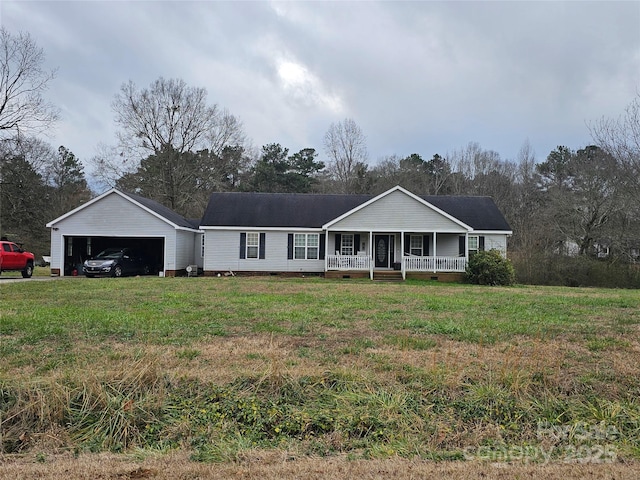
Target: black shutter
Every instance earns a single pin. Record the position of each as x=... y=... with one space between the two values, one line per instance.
x=425 y=245
x=356 y=243
x=263 y=237
x=338 y=242
x=407 y=244
x=461 y=242
x=243 y=245
x=323 y=247
x=481 y=244
x=290 y=247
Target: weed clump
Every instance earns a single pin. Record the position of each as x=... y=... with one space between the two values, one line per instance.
x=110 y=412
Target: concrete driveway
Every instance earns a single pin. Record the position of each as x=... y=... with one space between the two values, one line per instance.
x=5 y=278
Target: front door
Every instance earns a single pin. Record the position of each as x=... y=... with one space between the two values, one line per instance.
x=382 y=252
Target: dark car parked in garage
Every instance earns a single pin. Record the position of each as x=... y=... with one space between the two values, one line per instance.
x=116 y=262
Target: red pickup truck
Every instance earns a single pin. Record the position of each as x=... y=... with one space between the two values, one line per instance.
x=12 y=257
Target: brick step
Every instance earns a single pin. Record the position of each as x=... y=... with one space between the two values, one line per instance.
x=387 y=275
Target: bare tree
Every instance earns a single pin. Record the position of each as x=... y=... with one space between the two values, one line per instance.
x=530 y=231
x=23 y=81
x=582 y=196
x=421 y=176
x=479 y=172
x=110 y=163
x=620 y=138
x=169 y=114
x=35 y=151
x=167 y=132
x=387 y=174
x=345 y=144
x=227 y=132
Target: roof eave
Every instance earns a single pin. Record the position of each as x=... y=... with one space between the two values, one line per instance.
x=493 y=232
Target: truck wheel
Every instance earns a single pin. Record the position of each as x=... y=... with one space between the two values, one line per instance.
x=28 y=271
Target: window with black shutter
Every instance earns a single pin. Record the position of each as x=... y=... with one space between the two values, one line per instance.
x=252 y=245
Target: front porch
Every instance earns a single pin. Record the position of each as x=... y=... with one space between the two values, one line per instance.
x=412 y=254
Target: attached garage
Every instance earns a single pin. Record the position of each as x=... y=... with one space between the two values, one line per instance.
x=124 y=220
x=78 y=249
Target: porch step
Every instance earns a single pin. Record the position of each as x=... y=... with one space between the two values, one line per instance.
x=387 y=275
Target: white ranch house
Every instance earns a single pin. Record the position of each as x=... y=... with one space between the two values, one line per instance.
x=349 y=235
x=396 y=234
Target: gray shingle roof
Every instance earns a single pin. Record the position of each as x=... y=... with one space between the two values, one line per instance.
x=236 y=209
x=480 y=213
x=163 y=211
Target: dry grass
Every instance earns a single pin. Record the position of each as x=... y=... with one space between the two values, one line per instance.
x=280 y=465
x=223 y=359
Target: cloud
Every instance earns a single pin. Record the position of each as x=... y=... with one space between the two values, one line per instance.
x=305 y=89
x=421 y=77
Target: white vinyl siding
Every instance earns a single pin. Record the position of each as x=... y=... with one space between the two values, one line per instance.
x=447 y=245
x=221 y=254
x=496 y=242
x=187 y=253
x=198 y=248
x=383 y=215
x=56 y=250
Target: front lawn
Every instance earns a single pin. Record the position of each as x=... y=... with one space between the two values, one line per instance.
x=226 y=368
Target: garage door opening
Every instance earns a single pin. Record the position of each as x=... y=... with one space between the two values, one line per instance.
x=79 y=249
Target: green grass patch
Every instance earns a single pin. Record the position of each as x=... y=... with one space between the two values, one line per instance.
x=411 y=342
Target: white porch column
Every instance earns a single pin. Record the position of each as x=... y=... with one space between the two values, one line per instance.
x=63 y=252
x=466 y=246
x=371 y=259
x=326 y=251
x=402 y=250
x=435 y=252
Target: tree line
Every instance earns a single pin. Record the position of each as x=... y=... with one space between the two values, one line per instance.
x=174 y=147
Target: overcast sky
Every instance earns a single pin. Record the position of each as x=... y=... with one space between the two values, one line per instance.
x=417 y=77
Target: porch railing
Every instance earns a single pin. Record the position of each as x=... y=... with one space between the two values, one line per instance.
x=411 y=264
x=348 y=262
x=435 y=264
